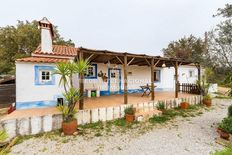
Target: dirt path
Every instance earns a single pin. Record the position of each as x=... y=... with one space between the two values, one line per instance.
x=187 y=136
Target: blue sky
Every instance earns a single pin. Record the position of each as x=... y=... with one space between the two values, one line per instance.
x=137 y=26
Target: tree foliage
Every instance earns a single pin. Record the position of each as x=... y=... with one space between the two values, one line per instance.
x=220 y=40
x=19 y=41
x=190 y=48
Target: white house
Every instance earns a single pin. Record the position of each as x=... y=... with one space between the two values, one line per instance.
x=36 y=86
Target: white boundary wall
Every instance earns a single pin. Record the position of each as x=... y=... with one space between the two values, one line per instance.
x=39 y=124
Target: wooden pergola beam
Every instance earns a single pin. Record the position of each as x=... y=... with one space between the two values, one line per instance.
x=130 y=61
x=176 y=79
x=81 y=86
x=89 y=58
x=129 y=55
x=152 y=81
x=125 y=80
x=119 y=59
x=149 y=62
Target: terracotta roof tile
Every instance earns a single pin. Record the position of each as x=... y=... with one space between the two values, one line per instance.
x=41 y=60
x=59 y=50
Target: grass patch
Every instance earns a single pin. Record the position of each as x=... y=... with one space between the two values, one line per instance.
x=97 y=125
x=226 y=151
x=223 y=97
x=169 y=114
x=159 y=119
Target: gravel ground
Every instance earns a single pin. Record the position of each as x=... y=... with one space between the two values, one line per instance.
x=183 y=136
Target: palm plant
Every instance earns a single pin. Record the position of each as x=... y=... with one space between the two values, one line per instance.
x=71 y=94
x=3 y=135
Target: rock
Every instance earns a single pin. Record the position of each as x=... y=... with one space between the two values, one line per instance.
x=62 y=134
x=75 y=133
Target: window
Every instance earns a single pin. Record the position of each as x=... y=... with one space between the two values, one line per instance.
x=157 y=75
x=191 y=73
x=91 y=72
x=44 y=76
x=113 y=75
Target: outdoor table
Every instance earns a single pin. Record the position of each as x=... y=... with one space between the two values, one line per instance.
x=146 y=90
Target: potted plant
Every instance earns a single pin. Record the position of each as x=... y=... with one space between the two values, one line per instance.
x=129 y=113
x=184 y=104
x=160 y=106
x=207 y=100
x=225 y=128
x=71 y=94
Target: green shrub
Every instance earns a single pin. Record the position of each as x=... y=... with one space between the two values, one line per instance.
x=230 y=111
x=226 y=124
x=3 y=135
x=160 y=105
x=129 y=110
x=207 y=97
x=159 y=119
x=226 y=151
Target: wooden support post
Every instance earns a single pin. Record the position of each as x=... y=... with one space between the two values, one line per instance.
x=81 y=86
x=125 y=80
x=199 y=72
x=152 y=80
x=176 y=80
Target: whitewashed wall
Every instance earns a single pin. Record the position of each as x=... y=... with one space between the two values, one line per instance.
x=27 y=91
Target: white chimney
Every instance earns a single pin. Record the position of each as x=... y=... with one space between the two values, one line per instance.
x=46 y=35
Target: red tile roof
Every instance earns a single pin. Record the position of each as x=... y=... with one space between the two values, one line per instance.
x=59 y=50
x=41 y=60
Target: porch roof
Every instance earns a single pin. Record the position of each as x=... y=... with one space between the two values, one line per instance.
x=105 y=56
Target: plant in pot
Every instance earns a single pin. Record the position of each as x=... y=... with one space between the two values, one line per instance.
x=129 y=113
x=207 y=100
x=184 y=104
x=161 y=106
x=225 y=128
x=71 y=94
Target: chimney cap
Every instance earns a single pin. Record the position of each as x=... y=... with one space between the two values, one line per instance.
x=46 y=21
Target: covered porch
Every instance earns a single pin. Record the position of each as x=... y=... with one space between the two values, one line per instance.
x=94 y=103
x=125 y=60
x=134 y=98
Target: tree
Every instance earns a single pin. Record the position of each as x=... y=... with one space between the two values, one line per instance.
x=188 y=48
x=19 y=41
x=220 y=40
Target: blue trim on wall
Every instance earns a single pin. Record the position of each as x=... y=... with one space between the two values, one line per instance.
x=37 y=75
x=35 y=104
x=92 y=77
x=120 y=81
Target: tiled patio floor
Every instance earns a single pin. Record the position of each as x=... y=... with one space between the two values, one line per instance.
x=90 y=103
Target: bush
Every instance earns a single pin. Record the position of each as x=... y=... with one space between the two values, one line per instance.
x=226 y=151
x=160 y=105
x=226 y=124
x=129 y=110
x=230 y=111
x=207 y=97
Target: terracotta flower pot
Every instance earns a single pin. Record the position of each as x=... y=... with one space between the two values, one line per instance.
x=69 y=127
x=184 y=105
x=207 y=102
x=130 y=118
x=223 y=134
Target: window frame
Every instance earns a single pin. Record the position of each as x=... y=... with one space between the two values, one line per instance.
x=155 y=73
x=41 y=76
x=94 y=76
x=38 y=75
x=193 y=73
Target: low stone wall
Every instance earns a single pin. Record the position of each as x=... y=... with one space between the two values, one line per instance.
x=39 y=124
